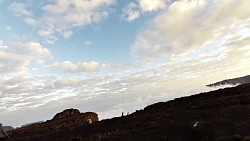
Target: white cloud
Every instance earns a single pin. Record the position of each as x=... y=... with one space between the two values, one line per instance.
x=186 y=26
x=134 y=10
x=60 y=18
x=131 y=12
x=107 y=95
x=63 y=16
x=152 y=5
x=45 y=33
x=21 y=10
x=30 y=49
x=87 y=43
x=67 y=34
x=8 y=28
x=67 y=83
x=68 y=66
x=90 y=66
x=30 y=21
x=124 y=67
x=16 y=58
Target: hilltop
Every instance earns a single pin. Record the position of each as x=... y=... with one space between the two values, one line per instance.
x=221 y=115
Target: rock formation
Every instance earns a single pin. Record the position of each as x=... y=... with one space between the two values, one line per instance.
x=67 y=113
x=66 y=120
x=8 y=128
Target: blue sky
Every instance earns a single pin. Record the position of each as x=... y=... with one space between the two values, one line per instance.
x=114 y=56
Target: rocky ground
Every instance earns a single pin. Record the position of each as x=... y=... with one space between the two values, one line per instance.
x=221 y=115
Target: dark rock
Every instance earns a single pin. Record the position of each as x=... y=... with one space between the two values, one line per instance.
x=66 y=113
x=8 y=128
x=63 y=121
x=32 y=123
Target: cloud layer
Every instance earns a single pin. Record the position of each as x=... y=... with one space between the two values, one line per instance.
x=68 y=66
x=135 y=9
x=17 y=57
x=188 y=26
x=60 y=18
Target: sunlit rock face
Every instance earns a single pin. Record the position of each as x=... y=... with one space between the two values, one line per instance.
x=72 y=117
x=67 y=113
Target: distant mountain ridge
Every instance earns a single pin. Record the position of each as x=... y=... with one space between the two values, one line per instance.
x=234 y=81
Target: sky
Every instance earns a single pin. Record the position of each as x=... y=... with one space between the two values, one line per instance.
x=114 y=56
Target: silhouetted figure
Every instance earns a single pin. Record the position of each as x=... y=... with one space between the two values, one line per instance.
x=3 y=134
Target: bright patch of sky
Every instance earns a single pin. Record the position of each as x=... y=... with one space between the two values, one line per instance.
x=114 y=56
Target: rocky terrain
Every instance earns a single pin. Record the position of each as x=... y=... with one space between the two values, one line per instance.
x=68 y=119
x=234 y=81
x=221 y=115
x=8 y=128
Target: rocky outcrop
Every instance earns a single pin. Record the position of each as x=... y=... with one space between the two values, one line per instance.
x=67 y=113
x=8 y=128
x=29 y=124
x=221 y=115
x=234 y=81
x=66 y=120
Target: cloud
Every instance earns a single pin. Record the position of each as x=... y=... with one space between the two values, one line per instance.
x=63 y=16
x=87 y=43
x=67 y=83
x=30 y=21
x=123 y=67
x=8 y=28
x=30 y=49
x=131 y=12
x=17 y=57
x=186 y=26
x=68 y=66
x=67 y=34
x=134 y=10
x=60 y=18
x=152 y=5
x=107 y=95
x=21 y=10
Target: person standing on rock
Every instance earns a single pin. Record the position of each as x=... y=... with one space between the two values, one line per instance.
x=3 y=134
